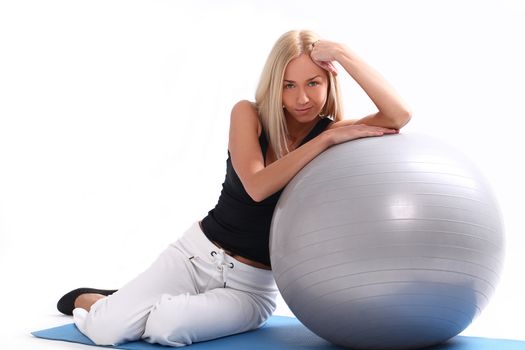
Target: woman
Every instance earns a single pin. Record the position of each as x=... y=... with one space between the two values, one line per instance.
x=216 y=280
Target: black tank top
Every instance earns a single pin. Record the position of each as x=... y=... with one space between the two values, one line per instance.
x=238 y=223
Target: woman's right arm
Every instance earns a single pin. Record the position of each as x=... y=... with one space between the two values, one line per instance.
x=261 y=182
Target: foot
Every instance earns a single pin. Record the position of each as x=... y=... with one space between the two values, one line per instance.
x=69 y=301
x=86 y=300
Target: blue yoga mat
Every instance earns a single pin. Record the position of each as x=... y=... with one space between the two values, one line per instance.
x=279 y=333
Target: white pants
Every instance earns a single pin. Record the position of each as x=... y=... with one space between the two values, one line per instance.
x=192 y=292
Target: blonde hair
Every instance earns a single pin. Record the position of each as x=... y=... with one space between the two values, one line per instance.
x=268 y=96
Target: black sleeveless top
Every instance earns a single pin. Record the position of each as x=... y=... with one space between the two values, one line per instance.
x=238 y=223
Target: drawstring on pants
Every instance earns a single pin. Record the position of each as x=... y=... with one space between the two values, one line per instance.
x=222 y=265
x=219 y=258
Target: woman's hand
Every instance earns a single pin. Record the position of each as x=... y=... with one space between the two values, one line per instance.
x=356 y=131
x=392 y=110
x=324 y=53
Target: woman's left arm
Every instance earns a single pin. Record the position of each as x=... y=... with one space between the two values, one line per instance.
x=393 y=112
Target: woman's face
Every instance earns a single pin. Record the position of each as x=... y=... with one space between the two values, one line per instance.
x=305 y=88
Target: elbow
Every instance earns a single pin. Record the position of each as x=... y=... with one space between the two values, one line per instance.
x=252 y=187
x=401 y=119
x=254 y=192
x=256 y=196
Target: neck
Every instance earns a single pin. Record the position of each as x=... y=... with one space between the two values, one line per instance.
x=298 y=131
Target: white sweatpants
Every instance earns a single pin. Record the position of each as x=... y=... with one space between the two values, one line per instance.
x=192 y=292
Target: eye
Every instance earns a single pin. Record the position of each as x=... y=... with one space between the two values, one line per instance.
x=313 y=83
x=288 y=85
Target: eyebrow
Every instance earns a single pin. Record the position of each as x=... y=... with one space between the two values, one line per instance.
x=291 y=81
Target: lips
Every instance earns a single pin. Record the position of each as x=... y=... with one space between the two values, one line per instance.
x=302 y=110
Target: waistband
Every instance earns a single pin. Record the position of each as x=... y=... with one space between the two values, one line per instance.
x=195 y=240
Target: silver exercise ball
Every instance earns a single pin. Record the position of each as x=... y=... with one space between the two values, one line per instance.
x=392 y=242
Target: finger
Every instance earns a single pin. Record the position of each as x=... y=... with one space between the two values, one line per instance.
x=388 y=130
x=325 y=66
x=374 y=134
x=331 y=68
x=328 y=66
x=385 y=129
x=321 y=64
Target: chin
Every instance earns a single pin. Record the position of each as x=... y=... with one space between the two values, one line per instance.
x=306 y=118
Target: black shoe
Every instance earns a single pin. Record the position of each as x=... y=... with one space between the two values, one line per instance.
x=66 y=304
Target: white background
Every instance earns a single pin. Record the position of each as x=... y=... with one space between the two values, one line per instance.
x=114 y=119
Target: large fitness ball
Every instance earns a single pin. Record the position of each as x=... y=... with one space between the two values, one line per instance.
x=392 y=242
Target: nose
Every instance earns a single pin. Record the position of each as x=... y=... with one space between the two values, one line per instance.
x=302 y=97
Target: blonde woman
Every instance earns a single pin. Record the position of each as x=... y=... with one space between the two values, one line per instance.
x=216 y=280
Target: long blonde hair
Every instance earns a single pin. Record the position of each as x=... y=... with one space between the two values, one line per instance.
x=268 y=96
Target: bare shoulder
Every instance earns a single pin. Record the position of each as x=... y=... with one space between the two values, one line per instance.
x=245 y=104
x=244 y=113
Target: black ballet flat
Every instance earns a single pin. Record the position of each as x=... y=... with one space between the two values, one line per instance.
x=66 y=304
